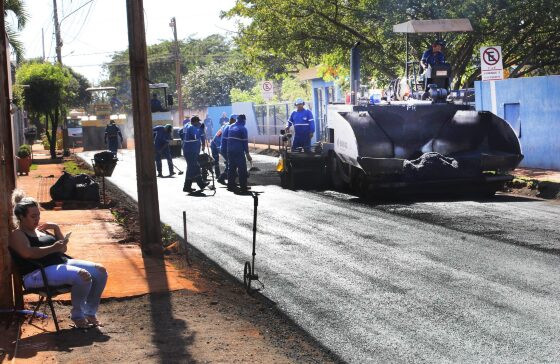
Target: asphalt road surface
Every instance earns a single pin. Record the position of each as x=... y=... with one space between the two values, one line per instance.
x=401 y=281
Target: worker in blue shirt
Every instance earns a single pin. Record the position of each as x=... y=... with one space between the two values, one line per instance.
x=193 y=138
x=162 y=137
x=304 y=126
x=155 y=104
x=237 y=151
x=434 y=55
x=224 y=147
x=215 y=146
x=112 y=135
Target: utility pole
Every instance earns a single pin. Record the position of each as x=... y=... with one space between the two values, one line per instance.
x=57 y=35
x=148 y=204
x=7 y=170
x=43 y=41
x=179 y=82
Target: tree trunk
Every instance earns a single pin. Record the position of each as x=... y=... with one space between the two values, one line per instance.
x=54 y=126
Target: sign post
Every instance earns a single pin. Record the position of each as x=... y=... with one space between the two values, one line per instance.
x=267 y=90
x=491 y=65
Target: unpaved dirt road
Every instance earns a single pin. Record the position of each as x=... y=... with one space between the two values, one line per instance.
x=398 y=281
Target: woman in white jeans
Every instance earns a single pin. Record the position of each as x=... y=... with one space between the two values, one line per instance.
x=33 y=241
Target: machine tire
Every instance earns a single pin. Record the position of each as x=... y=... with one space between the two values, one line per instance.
x=337 y=182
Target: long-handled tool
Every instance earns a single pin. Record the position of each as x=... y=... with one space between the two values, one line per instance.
x=249 y=269
x=180 y=172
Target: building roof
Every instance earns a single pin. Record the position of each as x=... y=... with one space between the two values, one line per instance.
x=308 y=74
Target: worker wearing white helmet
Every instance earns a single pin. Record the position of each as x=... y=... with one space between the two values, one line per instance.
x=304 y=126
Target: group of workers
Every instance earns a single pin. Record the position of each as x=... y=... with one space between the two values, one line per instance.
x=231 y=142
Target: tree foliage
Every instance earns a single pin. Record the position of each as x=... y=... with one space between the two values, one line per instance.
x=49 y=91
x=285 y=35
x=211 y=85
x=194 y=53
x=17 y=8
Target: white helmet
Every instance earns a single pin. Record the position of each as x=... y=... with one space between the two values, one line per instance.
x=299 y=101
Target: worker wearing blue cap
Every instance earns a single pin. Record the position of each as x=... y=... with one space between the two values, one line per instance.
x=193 y=138
x=238 y=150
x=304 y=126
x=162 y=137
x=224 y=147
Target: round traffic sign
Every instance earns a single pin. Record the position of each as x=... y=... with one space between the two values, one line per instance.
x=267 y=86
x=491 y=56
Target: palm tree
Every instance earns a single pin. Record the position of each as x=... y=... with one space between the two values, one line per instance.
x=17 y=8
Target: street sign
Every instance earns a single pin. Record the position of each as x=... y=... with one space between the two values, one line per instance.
x=491 y=65
x=267 y=90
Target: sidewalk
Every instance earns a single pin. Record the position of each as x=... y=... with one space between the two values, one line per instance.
x=536 y=182
x=153 y=310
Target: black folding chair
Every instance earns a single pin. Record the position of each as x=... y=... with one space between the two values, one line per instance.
x=46 y=292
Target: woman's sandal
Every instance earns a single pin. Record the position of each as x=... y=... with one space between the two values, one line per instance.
x=81 y=324
x=94 y=321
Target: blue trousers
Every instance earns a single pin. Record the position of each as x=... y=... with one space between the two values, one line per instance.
x=302 y=140
x=165 y=153
x=85 y=293
x=193 y=169
x=113 y=144
x=237 y=166
x=216 y=156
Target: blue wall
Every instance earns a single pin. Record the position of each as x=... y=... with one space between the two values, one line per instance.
x=320 y=102
x=532 y=105
x=215 y=113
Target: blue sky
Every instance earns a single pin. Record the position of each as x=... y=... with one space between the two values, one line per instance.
x=99 y=28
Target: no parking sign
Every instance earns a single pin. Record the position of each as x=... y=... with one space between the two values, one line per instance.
x=491 y=64
x=267 y=90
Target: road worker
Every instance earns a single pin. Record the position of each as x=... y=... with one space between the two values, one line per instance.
x=162 y=137
x=237 y=151
x=304 y=126
x=193 y=139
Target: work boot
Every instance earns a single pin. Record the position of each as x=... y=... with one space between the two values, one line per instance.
x=172 y=173
x=187 y=187
x=160 y=174
x=221 y=180
x=203 y=185
x=231 y=187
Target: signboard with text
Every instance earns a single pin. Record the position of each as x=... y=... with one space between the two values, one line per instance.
x=491 y=65
x=267 y=90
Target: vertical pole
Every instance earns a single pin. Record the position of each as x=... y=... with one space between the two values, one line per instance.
x=268 y=124
x=148 y=204
x=43 y=41
x=406 y=67
x=57 y=35
x=178 y=72
x=255 y=205
x=7 y=171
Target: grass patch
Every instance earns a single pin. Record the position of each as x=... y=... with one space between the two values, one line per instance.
x=33 y=167
x=73 y=168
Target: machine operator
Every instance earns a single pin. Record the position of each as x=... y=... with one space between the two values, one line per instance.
x=304 y=126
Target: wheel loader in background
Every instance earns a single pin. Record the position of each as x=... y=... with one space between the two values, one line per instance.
x=438 y=144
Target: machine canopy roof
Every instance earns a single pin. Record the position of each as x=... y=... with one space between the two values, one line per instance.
x=158 y=85
x=101 y=89
x=434 y=26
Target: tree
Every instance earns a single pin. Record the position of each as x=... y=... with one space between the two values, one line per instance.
x=161 y=59
x=285 y=35
x=211 y=85
x=17 y=8
x=50 y=90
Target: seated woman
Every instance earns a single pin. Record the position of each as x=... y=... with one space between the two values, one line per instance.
x=32 y=241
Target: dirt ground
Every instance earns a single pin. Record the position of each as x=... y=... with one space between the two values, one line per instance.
x=217 y=323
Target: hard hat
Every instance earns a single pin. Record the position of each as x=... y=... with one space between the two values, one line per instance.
x=233 y=116
x=299 y=101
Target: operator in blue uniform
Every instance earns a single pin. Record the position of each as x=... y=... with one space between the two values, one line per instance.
x=434 y=55
x=237 y=150
x=112 y=135
x=193 y=138
x=224 y=147
x=304 y=126
x=162 y=137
